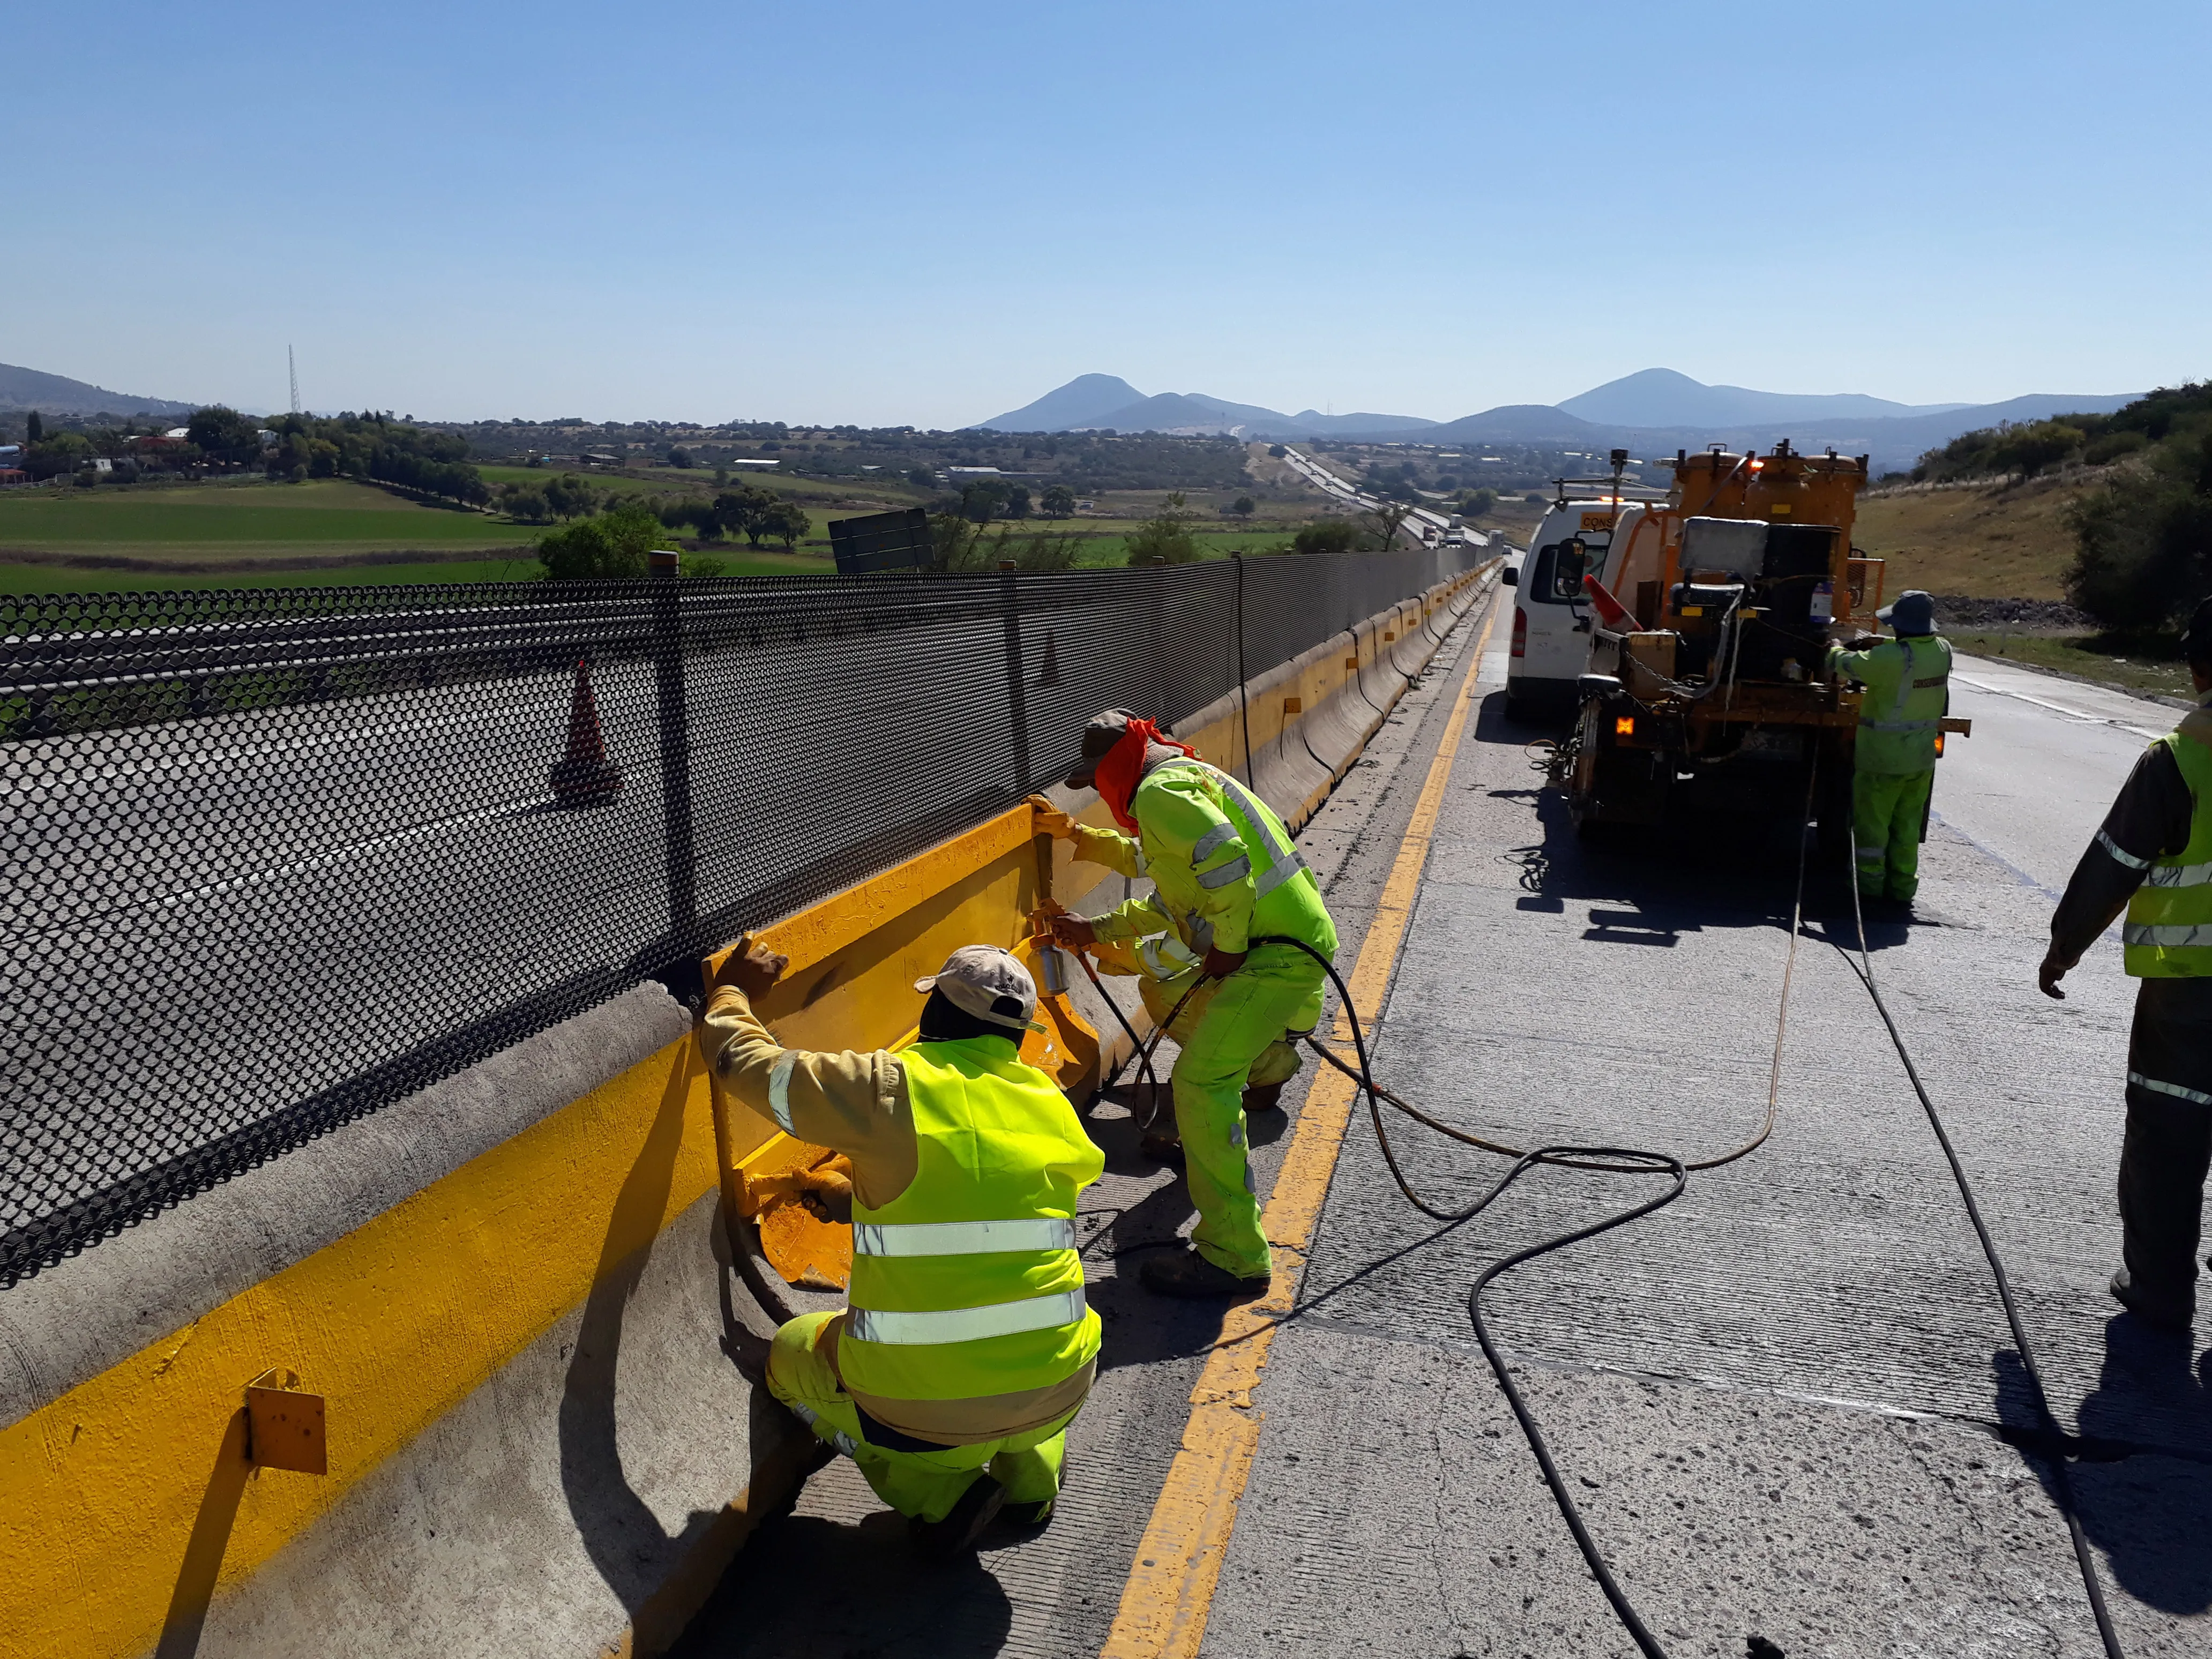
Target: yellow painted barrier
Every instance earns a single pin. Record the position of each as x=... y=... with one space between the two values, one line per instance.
x=126 y=1503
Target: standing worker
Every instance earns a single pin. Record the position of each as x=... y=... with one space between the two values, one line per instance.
x=1224 y=873
x=2153 y=856
x=967 y=1348
x=1907 y=681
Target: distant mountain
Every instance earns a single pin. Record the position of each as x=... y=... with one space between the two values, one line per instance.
x=1081 y=402
x=1095 y=401
x=1183 y=412
x=1661 y=396
x=1652 y=412
x=1517 y=424
x=56 y=394
x=1312 y=423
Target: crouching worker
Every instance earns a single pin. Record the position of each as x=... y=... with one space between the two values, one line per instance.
x=1172 y=985
x=966 y=1347
x=1224 y=874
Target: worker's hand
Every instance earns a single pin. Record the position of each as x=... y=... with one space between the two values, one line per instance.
x=753 y=968
x=1219 y=964
x=1046 y=819
x=826 y=1190
x=1074 y=932
x=2048 y=976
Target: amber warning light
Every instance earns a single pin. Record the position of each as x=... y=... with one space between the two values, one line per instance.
x=1623 y=726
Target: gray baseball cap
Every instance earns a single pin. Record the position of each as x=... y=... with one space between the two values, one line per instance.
x=1099 y=737
x=1910 y=612
x=987 y=982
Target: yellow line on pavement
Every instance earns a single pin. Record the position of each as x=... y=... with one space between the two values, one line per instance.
x=1170 y=1586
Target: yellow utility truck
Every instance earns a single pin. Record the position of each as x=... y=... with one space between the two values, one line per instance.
x=1706 y=675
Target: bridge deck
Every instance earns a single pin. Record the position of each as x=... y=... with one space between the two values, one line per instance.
x=1776 y=1401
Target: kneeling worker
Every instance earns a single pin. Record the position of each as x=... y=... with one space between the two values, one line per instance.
x=966 y=1347
x=1224 y=873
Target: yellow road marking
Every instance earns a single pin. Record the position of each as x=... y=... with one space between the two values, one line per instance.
x=1170 y=1586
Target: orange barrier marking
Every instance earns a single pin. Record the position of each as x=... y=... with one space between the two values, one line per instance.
x=1170 y=1585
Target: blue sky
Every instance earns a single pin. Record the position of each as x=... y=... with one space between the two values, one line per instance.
x=888 y=213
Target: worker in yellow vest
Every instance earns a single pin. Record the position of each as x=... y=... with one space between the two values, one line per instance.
x=2153 y=856
x=1226 y=881
x=1907 y=681
x=966 y=1347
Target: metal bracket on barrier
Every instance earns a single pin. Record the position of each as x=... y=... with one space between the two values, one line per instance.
x=284 y=1427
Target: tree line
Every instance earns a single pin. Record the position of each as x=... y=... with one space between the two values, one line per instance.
x=2142 y=526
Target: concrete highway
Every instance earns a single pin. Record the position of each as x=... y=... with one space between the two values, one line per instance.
x=1782 y=1402
x=1422 y=521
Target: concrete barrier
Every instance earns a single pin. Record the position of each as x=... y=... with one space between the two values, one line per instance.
x=513 y=1292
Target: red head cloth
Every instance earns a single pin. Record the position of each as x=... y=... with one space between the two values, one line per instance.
x=1123 y=768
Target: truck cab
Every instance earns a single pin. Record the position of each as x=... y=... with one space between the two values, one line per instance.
x=1551 y=617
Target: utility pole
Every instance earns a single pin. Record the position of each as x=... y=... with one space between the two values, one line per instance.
x=292 y=364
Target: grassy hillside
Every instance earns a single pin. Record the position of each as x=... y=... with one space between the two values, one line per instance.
x=1990 y=542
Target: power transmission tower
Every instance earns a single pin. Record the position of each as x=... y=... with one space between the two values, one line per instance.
x=293 y=365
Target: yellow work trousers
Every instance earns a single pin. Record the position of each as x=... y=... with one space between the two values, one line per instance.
x=924 y=1486
x=1278 y=989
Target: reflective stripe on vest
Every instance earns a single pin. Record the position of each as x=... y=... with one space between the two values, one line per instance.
x=2187 y=936
x=779 y=1090
x=963 y=1238
x=1283 y=861
x=905 y=1330
x=1164 y=956
x=1222 y=874
x=837 y=1437
x=2179 y=875
x=1212 y=841
x=2173 y=1089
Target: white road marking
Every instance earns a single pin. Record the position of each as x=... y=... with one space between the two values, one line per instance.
x=2055 y=708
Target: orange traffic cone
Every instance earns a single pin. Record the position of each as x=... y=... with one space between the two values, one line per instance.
x=585 y=776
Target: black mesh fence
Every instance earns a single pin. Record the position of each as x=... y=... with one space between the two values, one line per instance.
x=275 y=859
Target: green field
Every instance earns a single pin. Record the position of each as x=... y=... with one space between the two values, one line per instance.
x=65 y=579
x=816 y=495
x=324 y=517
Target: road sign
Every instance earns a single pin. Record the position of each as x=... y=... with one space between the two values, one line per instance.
x=882 y=541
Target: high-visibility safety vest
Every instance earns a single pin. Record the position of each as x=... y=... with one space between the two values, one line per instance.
x=968 y=1283
x=1907 y=689
x=2168 y=931
x=1285 y=899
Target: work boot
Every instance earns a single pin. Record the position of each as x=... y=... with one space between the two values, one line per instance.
x=1188 y=1273
x=1262 y=1097
x=956 y=1534
x=1166 y=1148
x=1034 y=1517
x=2165 y=1312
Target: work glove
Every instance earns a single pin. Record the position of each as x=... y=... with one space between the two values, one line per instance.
x=1219 y=964
x=824 y=1192
x=826 y=1189
x=1048 y=820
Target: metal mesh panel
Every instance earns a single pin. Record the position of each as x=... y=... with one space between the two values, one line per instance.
x=276 y=859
